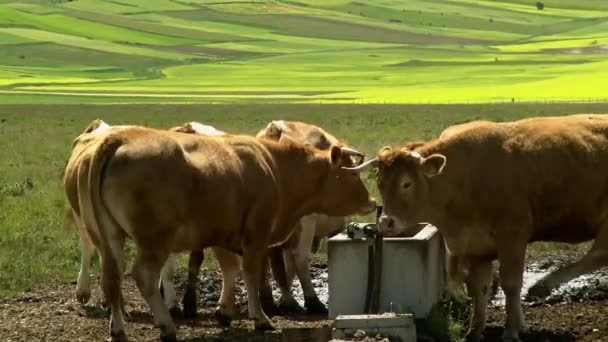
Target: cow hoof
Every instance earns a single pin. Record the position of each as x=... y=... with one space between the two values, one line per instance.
x=510 y=339
x=176 y=312
x=189 y=303
x=270 y=308
x=105 y=305
x=83 y=296
x=167 y=335
x=189 y=310
x=290 y=307
x=263 y=325
x=172 y=337
x=473 y=337
x=314 y=306
x=508 y=336
x=222 y=318
x=118 y=337
x=538 y=290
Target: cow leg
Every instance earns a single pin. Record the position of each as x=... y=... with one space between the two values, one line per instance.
x=596 y=258
x=253 y=259
x=146 y=272
x=287 y=303
x=302 y=260
x=195 y=260
x=266 y=298
x=512 y=258
x=478 y=284
x=456 y=276
x=167 y=287
x=105 y=304
x=83 y=283
x=230 y=264
x=111 y=280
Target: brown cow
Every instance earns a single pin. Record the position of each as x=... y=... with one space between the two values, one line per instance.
x=296 y=252
x=173 y=192
x=89 y=239
x=228 y=261
x=83 y=146
x=492 y=188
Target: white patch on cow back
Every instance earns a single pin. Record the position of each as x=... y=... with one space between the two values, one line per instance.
x=281 y=125
x=201 y=129
x=415 y=155
x=102 y=128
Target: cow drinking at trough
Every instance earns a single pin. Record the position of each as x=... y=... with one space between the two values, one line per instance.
x=172 y=192
x=493 y=188
x=287 y=259
x=294 y=255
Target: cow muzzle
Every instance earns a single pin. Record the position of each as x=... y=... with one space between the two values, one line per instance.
x=390 y=225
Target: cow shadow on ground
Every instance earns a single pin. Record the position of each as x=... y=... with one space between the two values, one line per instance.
x=495 y=334
x=241 y=334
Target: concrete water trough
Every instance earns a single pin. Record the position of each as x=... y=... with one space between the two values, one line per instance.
x=412 y=273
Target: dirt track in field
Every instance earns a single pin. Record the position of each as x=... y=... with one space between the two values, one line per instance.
x=53 y=314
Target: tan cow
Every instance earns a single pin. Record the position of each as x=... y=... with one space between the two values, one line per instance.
x=492 y=188
x=82 y=147
x=296 y=252
x=229 y=262
x=172 y=192
x=88 y=240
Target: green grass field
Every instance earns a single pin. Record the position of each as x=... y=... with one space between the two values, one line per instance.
x=331 y=51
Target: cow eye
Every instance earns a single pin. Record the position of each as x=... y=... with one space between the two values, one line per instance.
x=406 y=185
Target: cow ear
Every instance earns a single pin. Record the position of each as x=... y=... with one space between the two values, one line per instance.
x=335 y=155
x=433 y=165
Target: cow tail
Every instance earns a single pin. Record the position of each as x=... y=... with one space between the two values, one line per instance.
x=95 y=214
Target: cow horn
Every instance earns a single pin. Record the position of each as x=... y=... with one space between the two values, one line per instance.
x=352 y=152
x=367 y=164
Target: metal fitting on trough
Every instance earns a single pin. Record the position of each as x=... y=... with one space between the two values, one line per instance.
x=373 y=237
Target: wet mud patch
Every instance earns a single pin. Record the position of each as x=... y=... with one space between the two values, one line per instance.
x=210 y=286
x=53 y=314
x=592 y=286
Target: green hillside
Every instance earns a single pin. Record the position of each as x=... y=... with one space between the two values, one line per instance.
x=125 y=51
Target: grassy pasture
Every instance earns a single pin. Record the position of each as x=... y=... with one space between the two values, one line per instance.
x=337 y=51
x=36 y=141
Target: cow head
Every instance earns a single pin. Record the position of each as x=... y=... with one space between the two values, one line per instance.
x=403 y=182
x=342 y=190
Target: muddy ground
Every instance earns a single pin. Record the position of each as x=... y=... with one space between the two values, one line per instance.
x=575 y=313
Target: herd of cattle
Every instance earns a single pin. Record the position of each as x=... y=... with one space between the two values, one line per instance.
x=263 y=202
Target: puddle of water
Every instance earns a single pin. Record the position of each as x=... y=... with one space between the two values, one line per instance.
x=306 y=334
x=531 y=276
x=319 y=281
x=587 y=285
x=592 y=286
